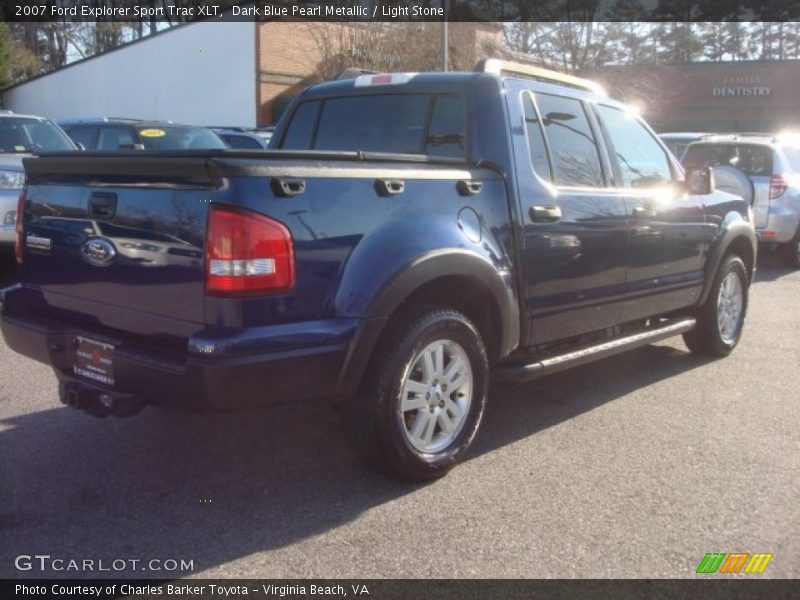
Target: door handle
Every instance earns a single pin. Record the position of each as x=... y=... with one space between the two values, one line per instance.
x=288 y=187
x=469 y=188
x=102 y=205
x=642 y=212
x=389 y=187
x=545 y=214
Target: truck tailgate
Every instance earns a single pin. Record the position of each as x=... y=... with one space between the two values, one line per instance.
x=94 y=234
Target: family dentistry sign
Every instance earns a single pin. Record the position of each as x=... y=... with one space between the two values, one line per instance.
x=741 y=85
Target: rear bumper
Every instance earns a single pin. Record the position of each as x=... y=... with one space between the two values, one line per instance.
x=219 y=369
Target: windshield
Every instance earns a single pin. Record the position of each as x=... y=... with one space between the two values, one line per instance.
x=22 y=135
x=179 y=138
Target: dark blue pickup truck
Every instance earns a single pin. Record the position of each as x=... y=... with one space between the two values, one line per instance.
x=405 y=237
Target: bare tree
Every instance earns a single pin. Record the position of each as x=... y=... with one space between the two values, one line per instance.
x=395 y=46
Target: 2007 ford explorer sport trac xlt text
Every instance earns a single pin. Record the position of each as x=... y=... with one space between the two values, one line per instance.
x=406 y=236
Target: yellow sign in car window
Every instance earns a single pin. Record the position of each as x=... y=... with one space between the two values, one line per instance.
x=152 y=133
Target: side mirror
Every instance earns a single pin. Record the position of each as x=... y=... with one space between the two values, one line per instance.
x=699 y=181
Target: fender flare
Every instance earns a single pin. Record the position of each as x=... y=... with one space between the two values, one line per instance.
x=734 y=229
x=429 y=267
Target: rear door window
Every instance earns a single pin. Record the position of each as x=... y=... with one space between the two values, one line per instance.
x=573 y=148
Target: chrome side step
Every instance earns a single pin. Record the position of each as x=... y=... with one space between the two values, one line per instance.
x=520 y=373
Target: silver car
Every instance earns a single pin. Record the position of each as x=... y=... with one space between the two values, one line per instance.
x=678 y=141
x=21 y=135
x=772 y=183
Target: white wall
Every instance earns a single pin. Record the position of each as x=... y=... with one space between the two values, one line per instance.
x=200 y=74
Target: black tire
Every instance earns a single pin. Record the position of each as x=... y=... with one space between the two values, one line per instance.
x=373 y=418
x=791 y=251
x=706 y=337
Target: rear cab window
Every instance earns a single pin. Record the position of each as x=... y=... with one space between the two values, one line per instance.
x=429 y=124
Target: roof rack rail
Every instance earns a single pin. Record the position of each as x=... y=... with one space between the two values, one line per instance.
x=498 y=66
x=131 y=119
x=352 y=73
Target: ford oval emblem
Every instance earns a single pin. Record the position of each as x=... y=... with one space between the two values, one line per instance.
x=98 y=252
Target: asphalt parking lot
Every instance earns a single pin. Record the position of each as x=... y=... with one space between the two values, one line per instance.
x=635 y=466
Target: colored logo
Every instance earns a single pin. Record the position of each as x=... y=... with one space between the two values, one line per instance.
x=152 y=133
x=734 y=562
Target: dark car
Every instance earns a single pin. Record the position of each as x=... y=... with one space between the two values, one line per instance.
x=677 y=141
x=409 y=237
x=244 y=139
x=132 y=134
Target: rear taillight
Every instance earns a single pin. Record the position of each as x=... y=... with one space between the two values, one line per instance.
x=19 y=228
x=777 y=185
x=247 y=254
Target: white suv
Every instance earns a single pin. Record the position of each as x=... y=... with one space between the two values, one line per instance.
x=772 y=183
x=21 y=135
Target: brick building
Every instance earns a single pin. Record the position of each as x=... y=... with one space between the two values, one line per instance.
x=239 y=73
x=292 y=55
x=745 y=96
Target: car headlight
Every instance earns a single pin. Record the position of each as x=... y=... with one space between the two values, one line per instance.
x=10 y=219
x=14 y=180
